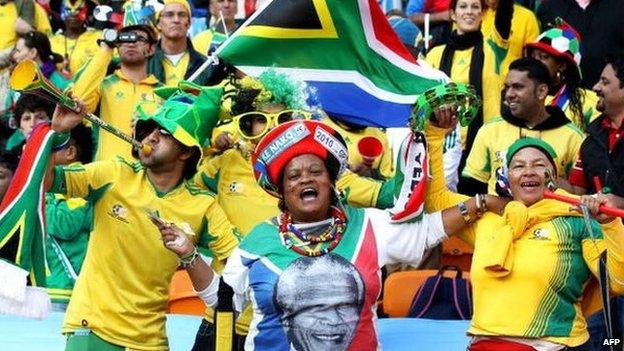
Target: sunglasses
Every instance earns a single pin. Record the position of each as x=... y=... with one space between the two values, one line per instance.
x=245 y=122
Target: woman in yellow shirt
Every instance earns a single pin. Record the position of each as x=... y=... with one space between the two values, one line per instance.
x=472 y=58
x=559 y=49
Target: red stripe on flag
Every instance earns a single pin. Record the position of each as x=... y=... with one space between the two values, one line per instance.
x=367 y=264
x=386 y=35
x=27 y=160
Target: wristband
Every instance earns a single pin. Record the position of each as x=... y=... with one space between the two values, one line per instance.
x=188 y=261
x=60 y=141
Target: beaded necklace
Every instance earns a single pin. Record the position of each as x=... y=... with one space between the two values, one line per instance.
x=325 y=242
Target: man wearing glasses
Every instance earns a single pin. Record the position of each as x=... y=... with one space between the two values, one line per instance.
x=175 y=58
x=118 y=93
x=120 y=298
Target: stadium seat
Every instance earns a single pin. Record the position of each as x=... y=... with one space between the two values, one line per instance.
x=401 y=287
x=457 y=253
x=182 y=297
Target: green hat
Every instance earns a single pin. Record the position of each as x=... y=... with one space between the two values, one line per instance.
x=189 y=113
x=535 y=143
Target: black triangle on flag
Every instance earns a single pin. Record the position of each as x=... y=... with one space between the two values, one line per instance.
x=295 y=14
x=295 y=19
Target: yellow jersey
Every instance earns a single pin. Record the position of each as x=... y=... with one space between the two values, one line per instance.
x=122 y=291
x=78 y=50
x=8 y=16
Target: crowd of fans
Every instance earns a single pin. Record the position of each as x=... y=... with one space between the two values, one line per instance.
x=222 y=182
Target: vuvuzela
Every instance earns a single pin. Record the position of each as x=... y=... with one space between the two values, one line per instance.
x=27 y=78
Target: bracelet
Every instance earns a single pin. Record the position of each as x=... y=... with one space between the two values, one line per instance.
x=463 y=210
x=481 y=204
x=188 y=261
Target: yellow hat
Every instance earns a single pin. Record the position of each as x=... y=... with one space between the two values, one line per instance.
x=181 y=2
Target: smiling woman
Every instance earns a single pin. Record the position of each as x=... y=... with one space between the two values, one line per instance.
x=284 y=263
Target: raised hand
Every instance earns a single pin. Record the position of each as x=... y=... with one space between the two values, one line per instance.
x=64 y=119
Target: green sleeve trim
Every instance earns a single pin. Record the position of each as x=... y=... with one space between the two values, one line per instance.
x=59 y=184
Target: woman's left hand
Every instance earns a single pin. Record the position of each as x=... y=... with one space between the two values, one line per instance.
x=593 y=203
x=174 y=239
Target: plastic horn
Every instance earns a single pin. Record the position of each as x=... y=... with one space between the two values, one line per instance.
x=611 y=211
x=370 y=148
x=461 y=95
x=28 y=79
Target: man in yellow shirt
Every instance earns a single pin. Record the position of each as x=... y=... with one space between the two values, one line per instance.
x=525 y=115
x=175 y=58
x=116 y=95
x=76 y=43
x=121 y=295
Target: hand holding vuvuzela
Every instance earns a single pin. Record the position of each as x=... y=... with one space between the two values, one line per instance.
x=27 y=78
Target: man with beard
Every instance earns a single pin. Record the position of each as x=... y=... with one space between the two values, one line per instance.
x=76 y=43
x=600 y=168
x=120 y=298
x=175 y=58
x=116 y=95
x=525 y=115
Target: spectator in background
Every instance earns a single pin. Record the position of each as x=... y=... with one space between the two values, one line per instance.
x=599 y=23
x=470 y=57
x=439 y=18
x=68 y=224
x=35 y=46
x=407 y=31
x=524 y=29
x=18 y=20
x=558 y=49
x=525 y=115
x=29 y=111
x=220 y=27
x=76 y=43
x=8 y=165
x=115 y=95
x=175 y=58
x=602 y=153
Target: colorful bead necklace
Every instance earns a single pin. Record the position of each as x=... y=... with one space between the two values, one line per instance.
x=325 y=242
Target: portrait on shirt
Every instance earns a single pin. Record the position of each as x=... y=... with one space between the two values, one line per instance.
x=321 y=299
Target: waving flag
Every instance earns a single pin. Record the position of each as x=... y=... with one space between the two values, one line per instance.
x=22 y=229
x=345 y=49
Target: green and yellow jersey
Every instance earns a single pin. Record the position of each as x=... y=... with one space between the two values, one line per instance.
x=68 y=224
x=490 y=147
x=122 y=291
x=78 y=50
x=115 y=96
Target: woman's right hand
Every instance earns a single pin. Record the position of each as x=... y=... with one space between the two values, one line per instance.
x=445 y=116
x=496 y=204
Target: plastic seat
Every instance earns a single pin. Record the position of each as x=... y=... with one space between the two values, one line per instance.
x=401 y=287
x=182 y=297
x=457 y=253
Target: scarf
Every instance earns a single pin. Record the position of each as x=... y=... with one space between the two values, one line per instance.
x=517 y=218
x=462 y=42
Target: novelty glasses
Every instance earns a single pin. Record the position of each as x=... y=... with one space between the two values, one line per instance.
x=265 y=121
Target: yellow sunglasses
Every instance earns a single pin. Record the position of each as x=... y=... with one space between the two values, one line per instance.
x=245 y=122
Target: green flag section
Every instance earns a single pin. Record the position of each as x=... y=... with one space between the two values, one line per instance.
x=344 y=49
x=22 y=230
